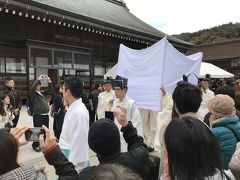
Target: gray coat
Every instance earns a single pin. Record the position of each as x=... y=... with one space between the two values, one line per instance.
x=26 y=172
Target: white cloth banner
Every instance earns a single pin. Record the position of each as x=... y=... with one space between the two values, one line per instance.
x=148 y=69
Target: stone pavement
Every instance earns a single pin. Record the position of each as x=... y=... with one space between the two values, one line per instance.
x=28 y=156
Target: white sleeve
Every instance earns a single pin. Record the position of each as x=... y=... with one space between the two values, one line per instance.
x=78 y=136
x=136 y=119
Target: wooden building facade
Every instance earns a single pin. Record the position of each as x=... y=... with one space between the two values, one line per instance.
x=225 y=54
x=61 y=38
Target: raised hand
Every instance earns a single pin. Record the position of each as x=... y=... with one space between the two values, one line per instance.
x=49 y=141
x=162 y=88
x=17 y=132
x=121 y=116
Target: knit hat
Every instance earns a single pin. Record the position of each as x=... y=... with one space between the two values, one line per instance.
x=221 y=105
x=104 y=137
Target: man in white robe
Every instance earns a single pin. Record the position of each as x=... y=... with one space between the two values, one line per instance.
x=149 y=118
x=105 y=99
x=133 y=115
x=74 y=137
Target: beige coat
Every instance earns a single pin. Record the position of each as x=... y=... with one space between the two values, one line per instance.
x=206 y=97
x=234 y=164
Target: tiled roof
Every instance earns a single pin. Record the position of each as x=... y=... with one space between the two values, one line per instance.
x=109 y=13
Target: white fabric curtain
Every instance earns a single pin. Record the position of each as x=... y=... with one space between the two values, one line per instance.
x=148 y=69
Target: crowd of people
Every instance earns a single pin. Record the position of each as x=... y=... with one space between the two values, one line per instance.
x=194 y=136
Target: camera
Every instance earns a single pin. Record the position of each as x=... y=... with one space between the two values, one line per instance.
x=8 y=125
x=44 y=76
x=109 y=115
x=32 y=134
x=5 y=129
x=44 y=81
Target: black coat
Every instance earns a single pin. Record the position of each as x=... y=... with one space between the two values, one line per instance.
x=58 y=114
x=136 y=158
x=64 y=168
x=94 y=97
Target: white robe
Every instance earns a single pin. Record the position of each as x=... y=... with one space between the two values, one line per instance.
x=163 y=119
x=133 y=115
x=104 y=104
x=74 y=136
x=206 y=97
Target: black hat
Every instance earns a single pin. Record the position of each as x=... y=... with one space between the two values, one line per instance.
x=120 y=82
x=109 y=80
x=187 y=77
x=104 y=137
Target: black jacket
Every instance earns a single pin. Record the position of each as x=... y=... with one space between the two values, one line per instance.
x=64 y=168
x=94 y=97
x=58 y=114
x=136 y=158
x=14 y=96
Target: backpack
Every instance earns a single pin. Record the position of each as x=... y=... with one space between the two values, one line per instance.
x=29 y=106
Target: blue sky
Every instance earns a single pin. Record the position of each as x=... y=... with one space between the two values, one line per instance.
x=177 y=16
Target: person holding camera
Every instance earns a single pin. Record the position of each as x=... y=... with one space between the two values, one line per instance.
x=40 y=107
x=11 y=169
x=6 y=113
x=104 y=140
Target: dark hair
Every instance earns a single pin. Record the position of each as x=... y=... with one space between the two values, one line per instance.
x=56 y=88
x=237 y=101
x=109 y=172
x=193 y=151
x=97 y=84
x=75 y=85
x=2 y=110
x=227 y=90
x=187 y=97
x=8 y=152
x=174 y=113
x=153 y=165
x=229 y=82
x=7 y=79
